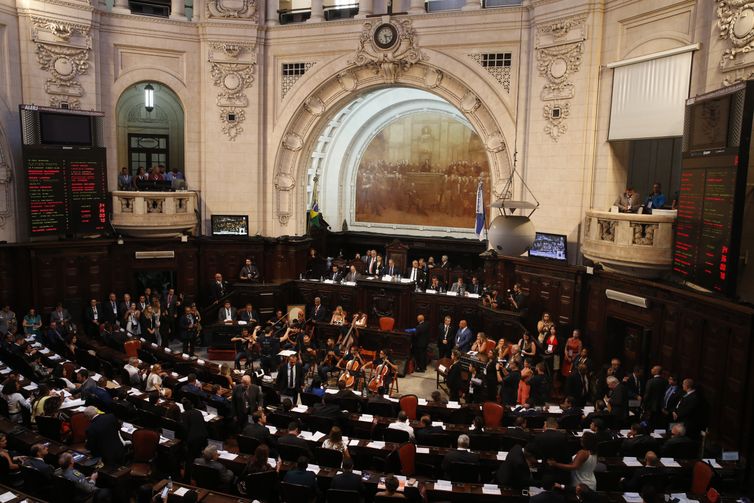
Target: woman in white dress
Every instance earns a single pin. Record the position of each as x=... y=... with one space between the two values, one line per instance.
x=583 y=464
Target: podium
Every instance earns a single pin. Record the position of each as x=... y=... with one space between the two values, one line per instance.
x=380 y=298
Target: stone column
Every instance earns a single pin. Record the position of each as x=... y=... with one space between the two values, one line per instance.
x=318 y=12
x=272 y=12
x=472 y=5
x=178 y=10
x=121 y=7
x=366 y=8
x=416 y=7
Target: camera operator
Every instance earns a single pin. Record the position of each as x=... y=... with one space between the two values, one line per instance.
x=517 y=299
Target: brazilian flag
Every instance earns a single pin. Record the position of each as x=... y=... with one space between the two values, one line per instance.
x=315 y=220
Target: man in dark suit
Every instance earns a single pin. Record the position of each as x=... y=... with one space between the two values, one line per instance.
x=670 y=399
x=302 y=477
x=248 y=314
x=635 y=383
x=218 y=289
x=257 y=428
x=416 y=275
x=391 y=270
x=291 y=378
x=292 y=439
x=421 y=341
x=551 y=444
x=317 y=310
x=102 y=438
x=195 y=433
x=691 y=410
x=37 y=461
x=651 y=467
x=549 y=494
x=654 y=391
x=679 y=445
x=93 y=316
x=426 y=429
x=460 y=455
x=636 y=438
x=112 y=313
x=578 y=386
x=171 y=305
x=515 y=470
x=246 y=398
x=227 y=313
x=617 y=398
x=187 y=330
x=453 y=377
x=509 y=389
x=348 y=481
x=446 y=337
x=335 y=274
x=475 y=287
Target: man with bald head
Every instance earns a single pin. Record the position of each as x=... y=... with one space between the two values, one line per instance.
x=245 y=399
x=651 y=466
x=691 y=410
x=421 y=341
x=654 y=391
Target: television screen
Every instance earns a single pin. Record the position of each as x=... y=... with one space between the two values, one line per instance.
x=549 y=246
x=65 y=129
x=230 y=225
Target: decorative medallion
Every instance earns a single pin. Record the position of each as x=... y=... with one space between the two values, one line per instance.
x=495 y=142
x=556 y=115
x=63 y=50
x=232 y=67
x=231 y=119
x=735 y=19
x=314 y=105
x=432 y=77
x=389 y=47
x=233 y=9
x=284 y=181
x=348 y=81
x=293 y=142
x=469 y=102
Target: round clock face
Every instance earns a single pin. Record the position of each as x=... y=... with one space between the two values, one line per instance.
x=385 y=36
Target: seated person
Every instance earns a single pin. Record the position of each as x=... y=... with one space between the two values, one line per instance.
x=402 y=423
x=637 y=436
x=316 y=387
x=603 y=433
x=257 y=428
x=426 y=430
x=651 y=466
x=293 y=439
x=301 y=476
x=629 y=201
x=679 y=445
x=194 y=387
x=436 y=398
x=436 y=285
x=85 y=486
x=210 y=458
x=37 y=461
x=226 y=314
x=391 y=489
x=459 y=286
x=348 y=481
x=656 y=199
x=460 y=455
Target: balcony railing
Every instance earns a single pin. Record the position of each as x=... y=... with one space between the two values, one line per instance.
x=155 y=214
x=630 y=243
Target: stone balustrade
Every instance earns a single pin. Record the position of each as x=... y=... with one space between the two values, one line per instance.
x=630 y=243
x=155 y=214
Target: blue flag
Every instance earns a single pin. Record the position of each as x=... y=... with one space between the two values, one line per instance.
x=479 y=230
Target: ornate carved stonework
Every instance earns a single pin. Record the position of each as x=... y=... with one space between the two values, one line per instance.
x=495 y=142
x=735 y=19
x=233 y=9
x=560 y=46
x=643 y=234
x=288 y=80
x=391 y=62
x=500 y=73
x=556 y=114
x=315 y=106
x=469 y=102
x=348 y=81
x=284 y=181
x=607 y=229
x=5 y=192
x=432 y=77
x=232 y=67
x=73 y=103
x=293 y=142
x=63 y=50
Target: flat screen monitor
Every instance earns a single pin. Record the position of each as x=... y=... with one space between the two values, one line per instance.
x=65 y=129
x=549 y=246
x=230 y=225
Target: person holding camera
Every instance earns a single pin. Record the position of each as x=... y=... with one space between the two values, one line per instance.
x=517 y=299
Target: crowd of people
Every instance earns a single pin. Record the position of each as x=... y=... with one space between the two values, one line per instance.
x=158 y=173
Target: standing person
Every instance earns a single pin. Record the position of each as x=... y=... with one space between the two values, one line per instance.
x=33 y=322
x=421 y=341
x=291 y=378
x=103 y=437
x=187 y=330
x=617 y=398
x=583 y=464
x=194 y=428
x=571 y=351
x=171 y=309
x=654 y=391
x=445 y=338
x=463 y=337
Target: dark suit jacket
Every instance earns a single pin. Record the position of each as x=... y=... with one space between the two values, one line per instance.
x=575 y=388
x=283 y=377
x=548 y=497
x=441 y=334
x=421 y=338
x=453 y=378
x=458 y=456
x=628 y=445
x=302 y=478
x=243 y=315
x=41 y=466
x=347 y=482
x=691 y=413
x=633 y=484
x=618 y=399
x=103 y=441
x=221 y=314
x=108 y=313
x=654 y=392
x=216 y=292
x=195 y=431
x=259 y=432
x=514 y=472
x=89 y=315
x=539 y=389
x=297 y=442
x=318 y=314
x=421 y=434
x=550 y=444
x=680 y=447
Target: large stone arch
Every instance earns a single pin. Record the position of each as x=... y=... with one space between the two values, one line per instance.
x=337 y=83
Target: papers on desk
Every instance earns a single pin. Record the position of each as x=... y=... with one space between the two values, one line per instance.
x=441 y=368
x=200 y=361
x=227 y=455
x=406 y=280
x=451 y=294
x=44 y=351
x=272 y=462
x=438 y=423
x=712 y=462
x=501 y=456
x=164 y=440
x=133 y=392
x=670 y=463
x=180 y=406
x=422 y=450
x=354 y=442
x=376 y=444
x=680 y=497
x=329 y=282
x=632 y=497
x=443 y=485
x=454 y=405
x=313 y=468
x=167 y=350
x=7 y=496
x=658 y=434
x=241 y=323
x=183 y=379
x=388 y=397
x=31 y=387
x=207 y=416
x=314 y=437
x=533 y=491
x=555 y=409
x=633 y=462
x=367 y=418
x=300 y=409
x=4 y=371
x=349 y=283
x=332 y=391
x=286 y=353
x=181 y=491
x=428 y=290
x=127 y=428
x=185 y=356
x=55 y=357
x=588 y=409
x=422 y=401
x=581 y=433
x=490 y=489
x=474 y=296
x=68 y=404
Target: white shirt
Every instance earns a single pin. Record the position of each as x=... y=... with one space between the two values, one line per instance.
x=398 y=425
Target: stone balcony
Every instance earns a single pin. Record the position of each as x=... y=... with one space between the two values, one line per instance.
x=630 y=243
x=155 y=214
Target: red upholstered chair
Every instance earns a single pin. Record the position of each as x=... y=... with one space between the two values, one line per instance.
x=145 y=443
x=492 y=413
x=712 y=495
x=132 y=347
x=407 y=456
x=490 y=345
x=79 y=424
x=701 y=478
x=408 y=404
x=387 y=323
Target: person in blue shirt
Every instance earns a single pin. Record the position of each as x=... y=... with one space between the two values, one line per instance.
x=656 y=199
x=316 y=387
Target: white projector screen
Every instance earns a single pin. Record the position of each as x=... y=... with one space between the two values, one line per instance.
x=649 y=98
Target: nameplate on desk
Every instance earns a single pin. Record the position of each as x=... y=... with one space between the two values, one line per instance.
x=329 y=281
x=406 y=280
x=454 y=405
x=473 y=296
x=632 y=498
x=730 y=456
x=502 y=455
x=313 y=468
x=366 y=418
x=200 y=361
x=181 y=491
x=430 y=291
x=168 y=433
x=491 y=489
x=632 y=462
x=331 y=391
x=185 y=356
x=241 y=323
x=422 y=401
x=670 y=463
x=443 y=485
x=154 y=345
x=422 y=450
x=376 y=444
x=451 y=294
x=183 y=379
x=349 y=283
x=438 y=423
x=227 y=455
x=31 y=387
x=387 y=277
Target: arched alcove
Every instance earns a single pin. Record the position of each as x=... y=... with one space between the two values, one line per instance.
x=145 y=138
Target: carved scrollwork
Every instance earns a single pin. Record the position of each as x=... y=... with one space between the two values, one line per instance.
x=393 y=61
x=283 y=218
x=63 y=50
x=469 y=102
x=233 y=9
x=735 y=19
x=643 y=234
x=433 y=77
x=293 y=141
x=556 y=115
x=232 y=67
x=233 y=79
x=557 y=64
x=315 y=106
x=284 y=181
x=73 y=103
x=495 y=143
x=232 y=118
